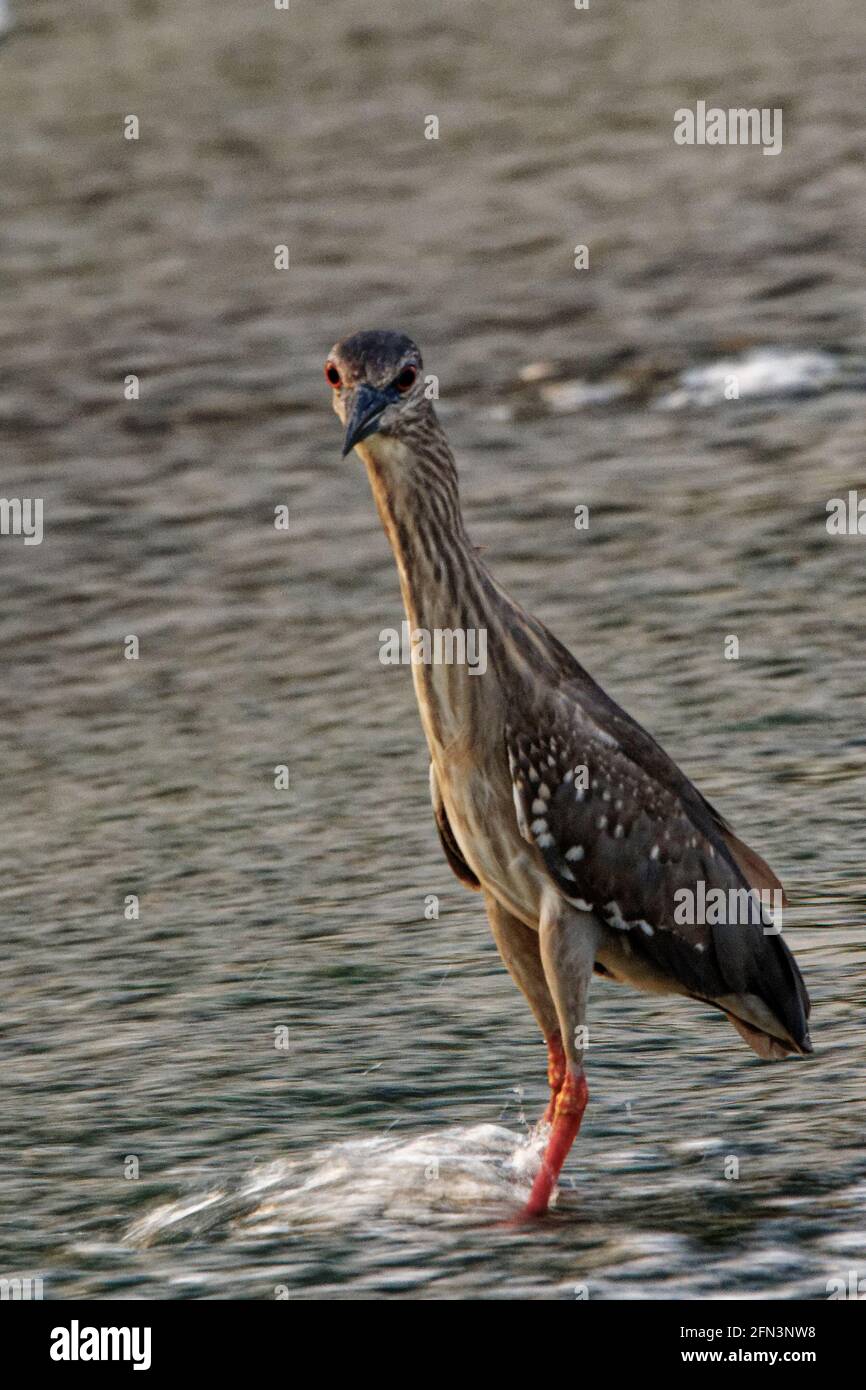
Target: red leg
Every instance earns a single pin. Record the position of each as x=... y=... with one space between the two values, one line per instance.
x=570 y=1105
x=555 y=1073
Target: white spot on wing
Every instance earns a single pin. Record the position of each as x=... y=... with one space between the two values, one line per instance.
x=604 y=737
x=518 y=807
x=615 y=917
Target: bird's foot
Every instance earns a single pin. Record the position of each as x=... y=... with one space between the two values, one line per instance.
x=568 y=1113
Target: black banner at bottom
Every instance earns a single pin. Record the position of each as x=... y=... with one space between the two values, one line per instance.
x=220 y=1338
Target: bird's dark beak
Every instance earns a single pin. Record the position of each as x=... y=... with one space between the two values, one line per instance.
x=367 y=407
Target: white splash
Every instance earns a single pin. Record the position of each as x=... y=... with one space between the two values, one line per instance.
x=563 y=397
x=759 y=374
x=456 y=1173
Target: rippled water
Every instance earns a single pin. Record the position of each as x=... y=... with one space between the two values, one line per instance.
x=382 y=1149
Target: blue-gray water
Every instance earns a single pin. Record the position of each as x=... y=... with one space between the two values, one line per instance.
x=379 y=1151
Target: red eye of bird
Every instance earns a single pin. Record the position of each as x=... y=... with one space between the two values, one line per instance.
x=405 y=379
x=332 y=375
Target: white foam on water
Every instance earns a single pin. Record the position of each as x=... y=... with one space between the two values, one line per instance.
x=456 y=1173
x=563 y=397
x=759 y=374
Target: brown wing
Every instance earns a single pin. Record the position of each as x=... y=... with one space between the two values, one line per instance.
x=623 y=833
x=755 y=870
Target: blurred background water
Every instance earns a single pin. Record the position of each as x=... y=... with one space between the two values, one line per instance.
x=375 y=1155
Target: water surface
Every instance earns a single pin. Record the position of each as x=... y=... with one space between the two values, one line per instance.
x=379 y=1151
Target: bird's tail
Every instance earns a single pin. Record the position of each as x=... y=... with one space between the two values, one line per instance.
x=771 y=1009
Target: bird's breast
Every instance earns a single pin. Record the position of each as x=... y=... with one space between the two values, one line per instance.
x=480 y=807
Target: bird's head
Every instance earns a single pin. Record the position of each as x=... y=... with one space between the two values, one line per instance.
x=377 y=386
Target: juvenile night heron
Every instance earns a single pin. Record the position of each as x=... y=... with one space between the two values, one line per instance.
x=578 y=829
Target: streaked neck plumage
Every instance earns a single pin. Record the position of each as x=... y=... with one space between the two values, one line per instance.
x=446 y=586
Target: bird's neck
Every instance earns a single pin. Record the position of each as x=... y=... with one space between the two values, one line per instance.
x=443 y=583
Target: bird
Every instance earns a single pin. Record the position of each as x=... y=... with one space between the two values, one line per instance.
x=584 y=838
